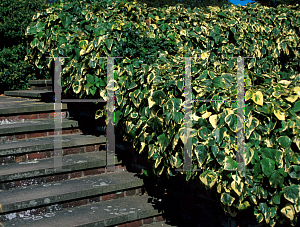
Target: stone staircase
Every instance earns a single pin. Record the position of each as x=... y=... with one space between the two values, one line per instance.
x=39 y=89
x=85 y=191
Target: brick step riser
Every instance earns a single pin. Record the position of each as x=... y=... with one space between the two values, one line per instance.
x=38 y=134
x=47 y=88
x=43 y=210
x=30 y=116
x=50 y=153
x=82 y=109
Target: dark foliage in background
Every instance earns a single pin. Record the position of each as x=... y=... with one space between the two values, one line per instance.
x=275 y=3
x=15 y=17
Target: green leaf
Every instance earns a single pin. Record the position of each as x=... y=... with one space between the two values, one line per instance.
x=268 y=166
x=65 y=20
x=163 y=142
x=109 y=43
x=296 y=107
x=291 y=193
x=90 y=79
x=155 y=122
x=219 y=134
x=229 y=163
x=227 y=199
x=180 y=85
x=209 y=178
x=276 y=198
x=177 y=117
x=284 y=141
x=219 y=82
x=245 y=205
x=203 y=132
x=275 y=179
x=201 y=154
x=145 y=172
x=159 y=97
x=294 y=171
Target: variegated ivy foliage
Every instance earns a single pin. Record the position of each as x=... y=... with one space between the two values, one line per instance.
x=150 y=96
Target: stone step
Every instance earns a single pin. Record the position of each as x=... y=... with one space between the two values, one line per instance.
x=45 y=167
x=36 y=128
x=105 y=213
x=35 y=94
x=40 y=148
x=40 y=85
x=49 y=193
x=47 y=143
x=14 y=109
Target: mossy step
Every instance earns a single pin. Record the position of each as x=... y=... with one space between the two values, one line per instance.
x=42 y=195
x=44 y=167
x=47 y=143
x=106 y=213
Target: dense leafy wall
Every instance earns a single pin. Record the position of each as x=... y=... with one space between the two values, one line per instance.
x=149 y=89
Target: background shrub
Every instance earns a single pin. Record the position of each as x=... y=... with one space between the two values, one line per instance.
x=15 y=17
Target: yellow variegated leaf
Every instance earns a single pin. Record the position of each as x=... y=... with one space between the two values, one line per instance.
x=297 y=206
x=82 y=52
x=158 y=161
x=288 y=211
x=279 y=114
x=213 y=119
x=183 y=32
x=248 y=95
x=236 y=178
x=219 y=188
x=83 y=44
x=206 y=115
x=103 y=95
x=268 y=143
x=293 y=98
x=195 y=117
x=237 y=188
x=204 y=55
x=285 y=82
x=142 y=148
x=151 y=103
x=297 y=90
x=154 y=26
x=258 y=98
x=209 y=178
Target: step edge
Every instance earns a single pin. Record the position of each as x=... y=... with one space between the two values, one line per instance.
x=50 y=146
x=66 y=123
x=107 y=189
x=111 y=221
x=101 y=162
